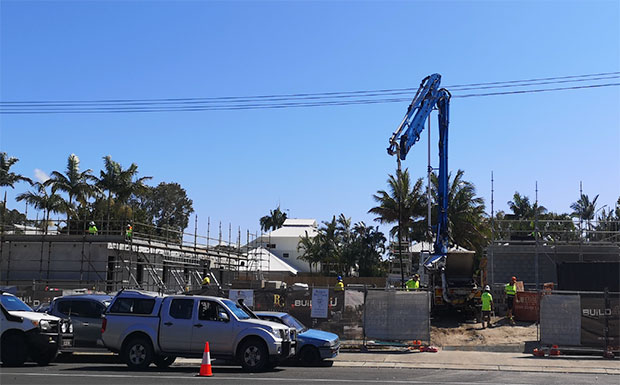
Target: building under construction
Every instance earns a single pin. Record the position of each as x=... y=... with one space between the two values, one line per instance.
x=37 y=261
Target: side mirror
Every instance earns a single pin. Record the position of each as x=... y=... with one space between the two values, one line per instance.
x=223 y=317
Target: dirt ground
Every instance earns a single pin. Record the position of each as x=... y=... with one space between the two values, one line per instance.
x=454 y=333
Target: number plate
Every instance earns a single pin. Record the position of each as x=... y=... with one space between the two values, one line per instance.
x=67 y=343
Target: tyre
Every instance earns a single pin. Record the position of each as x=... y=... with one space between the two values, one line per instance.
x=44 y=357
x=137 y=353
x=253 y=355
x=14 y=350
x=164 y=361
x=309 y=356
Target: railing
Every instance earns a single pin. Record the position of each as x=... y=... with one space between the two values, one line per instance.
x=556 y=231
x=116 y=228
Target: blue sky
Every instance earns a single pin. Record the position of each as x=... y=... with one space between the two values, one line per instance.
x=321 y=161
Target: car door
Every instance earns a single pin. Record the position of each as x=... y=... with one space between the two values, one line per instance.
x=64 y=308
x=213 y=324
x=177 y=319
x=90 y=315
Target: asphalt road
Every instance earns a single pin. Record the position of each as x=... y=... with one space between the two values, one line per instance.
x=116 y=374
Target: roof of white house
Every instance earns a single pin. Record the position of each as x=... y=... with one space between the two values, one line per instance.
x=262 y=259
x=299 y=222
x=295 y=228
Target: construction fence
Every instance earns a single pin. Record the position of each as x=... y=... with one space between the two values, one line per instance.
x=581 y=319
x=376 y=314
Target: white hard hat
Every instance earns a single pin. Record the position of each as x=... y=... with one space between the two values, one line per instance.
x=487 y=288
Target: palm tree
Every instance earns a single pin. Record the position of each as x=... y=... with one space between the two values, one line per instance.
x=74 y=183
x=467 y=225
x=402 y=205
x=119 y=182
x=311 y=250
x=370 y=244
x=584 y=210
x=41 y=200
x=273 y=221
x=523 y=209
x=8 y=178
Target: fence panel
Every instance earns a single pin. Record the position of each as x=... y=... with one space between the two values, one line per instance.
x=560 y=320
x=397 y=315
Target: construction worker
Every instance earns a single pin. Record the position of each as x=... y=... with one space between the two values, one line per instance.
x=339 y=284
x=487 y=306
x=129 y=231
x=92 y=229
x=511 y=290
x=413 y=283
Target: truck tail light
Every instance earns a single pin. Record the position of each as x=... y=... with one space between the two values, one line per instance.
x=104 y=323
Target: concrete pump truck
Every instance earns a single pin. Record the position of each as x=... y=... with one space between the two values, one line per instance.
x=450 y=274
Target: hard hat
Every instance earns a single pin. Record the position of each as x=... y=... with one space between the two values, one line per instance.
x=339 y=278
x=487 y=288
x=92 y=223
x=513 y=278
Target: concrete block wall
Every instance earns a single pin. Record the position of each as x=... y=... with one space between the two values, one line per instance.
x=505 y=261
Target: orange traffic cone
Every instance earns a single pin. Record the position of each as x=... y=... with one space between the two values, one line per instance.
x=205 y=367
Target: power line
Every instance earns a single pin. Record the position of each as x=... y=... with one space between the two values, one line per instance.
x=510 y=83
x=245 y=103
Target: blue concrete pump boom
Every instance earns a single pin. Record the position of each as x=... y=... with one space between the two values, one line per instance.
x=429 y=96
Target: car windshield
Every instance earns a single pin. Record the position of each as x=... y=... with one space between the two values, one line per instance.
x=239 y=312
x=293 y=322
x=12 y=303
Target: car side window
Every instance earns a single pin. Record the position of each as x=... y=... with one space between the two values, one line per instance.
x=181 y=308
x=210 y=311
x=133 y=305
x=64 y=307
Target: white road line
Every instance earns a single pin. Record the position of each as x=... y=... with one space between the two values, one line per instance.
x=252 y=378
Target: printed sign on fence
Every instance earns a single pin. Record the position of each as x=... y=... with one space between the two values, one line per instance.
x=320 y=303
x=246 y=295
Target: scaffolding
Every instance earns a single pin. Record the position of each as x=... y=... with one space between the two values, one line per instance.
x=40 y=255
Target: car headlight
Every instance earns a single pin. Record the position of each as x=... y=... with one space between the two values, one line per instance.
x=44 y=325
x=64 y=327
x=327 y=344
x=70 y=327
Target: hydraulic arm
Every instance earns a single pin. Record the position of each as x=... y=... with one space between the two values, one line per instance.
x=428 y=97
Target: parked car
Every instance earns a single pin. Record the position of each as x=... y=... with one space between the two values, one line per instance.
x=146 y=327
x=86 y=314
x=25 y=333
x=313 y=345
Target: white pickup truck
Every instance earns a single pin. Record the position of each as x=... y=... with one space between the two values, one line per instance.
x=147 y=328
x=25 y=333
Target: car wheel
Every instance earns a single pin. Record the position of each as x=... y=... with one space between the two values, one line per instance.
x=14 y=350
x=164 y=361
x=253 y=355
x=309 y=356
x=138 y=353
x=43 y=357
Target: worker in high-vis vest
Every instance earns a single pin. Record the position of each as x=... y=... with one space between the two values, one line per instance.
x=129 y=231
x=413 y=283
x=487 y=306
x=206 y=281
x=511 y=290
x=92 y=229
x=339 y=284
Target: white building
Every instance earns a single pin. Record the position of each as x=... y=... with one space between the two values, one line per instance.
x=283 y=242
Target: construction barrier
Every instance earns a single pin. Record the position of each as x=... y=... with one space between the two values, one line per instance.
x=397 y=315
x=580 y=319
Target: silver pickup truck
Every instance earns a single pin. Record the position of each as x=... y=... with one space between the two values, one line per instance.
x=147 y=328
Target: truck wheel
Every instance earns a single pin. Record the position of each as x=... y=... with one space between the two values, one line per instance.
x=14 y=350
x=253 y=355
x=309 y=356
x=137 y=353
x=164 y=361
x=44 y=357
